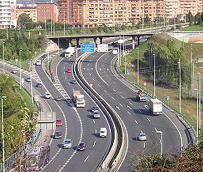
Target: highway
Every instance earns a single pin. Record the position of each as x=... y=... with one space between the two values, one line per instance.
x=98 y=69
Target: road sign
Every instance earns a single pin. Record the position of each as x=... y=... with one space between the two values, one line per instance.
x=128 y=72
x=120 y=41
x=87 y=48
x=102 y=48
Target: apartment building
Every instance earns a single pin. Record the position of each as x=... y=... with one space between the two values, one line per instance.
x=31 y=11
x=123 y=12
x=8 y=17
x=47 y=11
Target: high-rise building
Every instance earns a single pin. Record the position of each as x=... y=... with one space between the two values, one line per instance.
x=31 y=11
x=8 y=17
x=124 y=12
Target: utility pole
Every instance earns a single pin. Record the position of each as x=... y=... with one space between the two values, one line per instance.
x=138 y=66
x=3 y=59
x=154 y=77
x=51 y=26
x=180 y=88
x=31 y=89
x=197 y=124
x=64 y=24
x=20 y=69
x=59 y=46
x=191 y=61
x=200 y=98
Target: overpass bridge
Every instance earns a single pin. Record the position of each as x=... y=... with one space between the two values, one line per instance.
x=67 y=40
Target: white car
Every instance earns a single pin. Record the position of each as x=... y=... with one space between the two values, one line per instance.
x=14 y=71
x=142 y=136
x=67 y=143
x=103 y=132
x=96 y=115
x=47 y=95
x=38 y=62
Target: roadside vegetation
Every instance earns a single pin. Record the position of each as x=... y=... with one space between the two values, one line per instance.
x=19 y=125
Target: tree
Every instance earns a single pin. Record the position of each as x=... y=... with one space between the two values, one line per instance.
x=198 y=20
x=190 y=18
x=23 y=19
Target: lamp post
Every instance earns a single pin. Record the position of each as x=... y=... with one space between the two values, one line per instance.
x=31 y=90
x=180 y=88
x=197 y=130
x=3 y=59
x=138 y=66
x=2 y=130
x=154 y=77
x=20 y=69
x=161 y=141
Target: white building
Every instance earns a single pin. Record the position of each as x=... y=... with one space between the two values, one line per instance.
x=8 y=17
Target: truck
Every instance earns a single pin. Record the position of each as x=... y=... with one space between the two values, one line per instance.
x=78 y=98
x=115 y=52
x=69 y=51
x=141 y=96
x=155 y=106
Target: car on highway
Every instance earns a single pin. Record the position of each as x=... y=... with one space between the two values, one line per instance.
x=67 y=144
x=103 y=132
x=57 y=135
x=28 y=79
x=69 y=70
x=82 y=146
x=59 y=122
x=94 y=109
x=38 y=62
x=142 y=136
x=38 y=85
x=96 y=115
x=47 y=95
x=73 y=82
x=58 y=98
x=14 y=71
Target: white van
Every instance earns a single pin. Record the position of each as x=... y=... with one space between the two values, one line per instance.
x=38 y=62
x=103 y=132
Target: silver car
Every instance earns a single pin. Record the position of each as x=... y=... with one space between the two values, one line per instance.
x=67 y=143
x=142 y=136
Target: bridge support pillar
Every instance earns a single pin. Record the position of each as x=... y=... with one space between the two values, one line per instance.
x=133 y=42
x=138 y=40
x=77 y=42
x=100 y=40
x=95 y=42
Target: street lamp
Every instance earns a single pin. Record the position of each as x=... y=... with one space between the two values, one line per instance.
x=31 y=90
x=154 y=76
x=2 y=130
x=197 y=132
x=180 y=88
x=3 y=58
x=20 y=69
x=161 y=141
x=138 y=66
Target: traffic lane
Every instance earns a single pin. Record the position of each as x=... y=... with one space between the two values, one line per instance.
x=68 y=114
x=166 y=124
x=90 y=133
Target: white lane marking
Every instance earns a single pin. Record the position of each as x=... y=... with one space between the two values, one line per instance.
x=146 y=106
x=155 y=129
x=99 y=85
x=64 y=72
x=84 y=68
x=140 y=111
x=94 y=144
x=93 y=121
x=88 y=64
x=136 y=122
x=86 y=159
x=107 y=69
x=144 y=144
x=90 y=74
x=129 y=107
x=129 y=113
x=93 y=79
x=122 y=97
x=117 y=107
x=105 y=91
x=90 y=60
x=112 y=97
x=64 y=67
x=148 y=119
x=114 y=90
x=91 y=68
x=130 y=103
x=99 y=68
x=121 y=105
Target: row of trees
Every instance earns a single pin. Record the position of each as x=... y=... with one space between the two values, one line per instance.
x=19 y=41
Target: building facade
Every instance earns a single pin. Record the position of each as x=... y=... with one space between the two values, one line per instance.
x=46 y=11
x=31 y=11
x=124 y=12
x=8 y=17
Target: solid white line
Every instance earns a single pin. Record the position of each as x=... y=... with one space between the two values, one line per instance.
x=86 y=159
x=136 y=122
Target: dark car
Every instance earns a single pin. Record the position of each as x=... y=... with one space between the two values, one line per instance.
x=57 y=135
x=82 y=146
x=39 y=85
x=73 y=82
